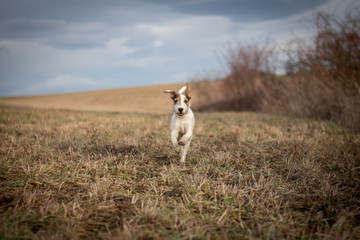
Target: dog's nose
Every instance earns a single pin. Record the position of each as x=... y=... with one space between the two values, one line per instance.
x=180 y=109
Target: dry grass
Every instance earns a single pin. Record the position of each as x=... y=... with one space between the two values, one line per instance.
x=86 y=175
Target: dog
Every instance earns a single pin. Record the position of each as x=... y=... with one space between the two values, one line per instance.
x=182 y=120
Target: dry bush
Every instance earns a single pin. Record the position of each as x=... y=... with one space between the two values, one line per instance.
x=322 y=81
x=251 y=84
x=326 y=73
x=208 y=91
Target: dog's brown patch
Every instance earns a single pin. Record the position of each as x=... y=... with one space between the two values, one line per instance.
x=176 y=98
x=187 y=100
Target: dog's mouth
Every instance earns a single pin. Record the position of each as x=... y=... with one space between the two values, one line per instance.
x=180 y=114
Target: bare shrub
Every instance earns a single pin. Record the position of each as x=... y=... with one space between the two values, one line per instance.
x=208 y=91
x=251 y=84
x=326 y=73
x=322 y=80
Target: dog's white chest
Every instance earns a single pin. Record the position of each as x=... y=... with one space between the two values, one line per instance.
x=179 y=125
x=183 y=124
x=182 y=127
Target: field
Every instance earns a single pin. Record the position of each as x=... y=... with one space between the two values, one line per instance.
x=105 y=175
x=136 y=99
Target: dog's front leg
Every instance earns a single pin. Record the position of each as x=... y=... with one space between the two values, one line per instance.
x=184 y=139
x=174 y=138
x=184 y=150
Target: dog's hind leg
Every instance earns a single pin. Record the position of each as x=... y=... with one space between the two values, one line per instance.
x=184 y=150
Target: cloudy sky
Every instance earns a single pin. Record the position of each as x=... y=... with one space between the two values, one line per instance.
x=53 y=46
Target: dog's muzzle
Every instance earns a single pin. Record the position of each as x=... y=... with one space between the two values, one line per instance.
x=180 y=112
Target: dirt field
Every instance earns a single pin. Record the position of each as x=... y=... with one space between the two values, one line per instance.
x=98 y=175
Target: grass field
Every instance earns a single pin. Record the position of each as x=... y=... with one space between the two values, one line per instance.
x=86 y=175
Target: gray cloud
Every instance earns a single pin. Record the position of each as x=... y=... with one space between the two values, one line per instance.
x=64 y=46
x=244 y=10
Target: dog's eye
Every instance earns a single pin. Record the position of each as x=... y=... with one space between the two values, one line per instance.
x=175 y=101
x=186 y=101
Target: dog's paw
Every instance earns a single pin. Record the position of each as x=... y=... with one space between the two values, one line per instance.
x=175 y=144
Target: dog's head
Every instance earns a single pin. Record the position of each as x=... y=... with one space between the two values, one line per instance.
x=181 y=99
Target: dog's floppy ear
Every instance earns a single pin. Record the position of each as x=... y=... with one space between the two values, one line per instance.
x=188 y=91
x=172 y=93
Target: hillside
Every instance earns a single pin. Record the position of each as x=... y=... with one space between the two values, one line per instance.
x=148 y=99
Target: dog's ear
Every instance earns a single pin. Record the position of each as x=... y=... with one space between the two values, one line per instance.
x=188 y=91
x=172 y=93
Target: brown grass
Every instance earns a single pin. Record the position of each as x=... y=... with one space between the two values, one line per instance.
x=86 y=175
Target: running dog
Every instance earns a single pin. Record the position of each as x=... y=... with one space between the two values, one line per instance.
x=182 y=120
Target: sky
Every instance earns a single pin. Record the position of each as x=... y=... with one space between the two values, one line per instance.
x=53 y=46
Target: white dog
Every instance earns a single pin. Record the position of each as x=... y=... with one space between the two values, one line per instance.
x=183 y=120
